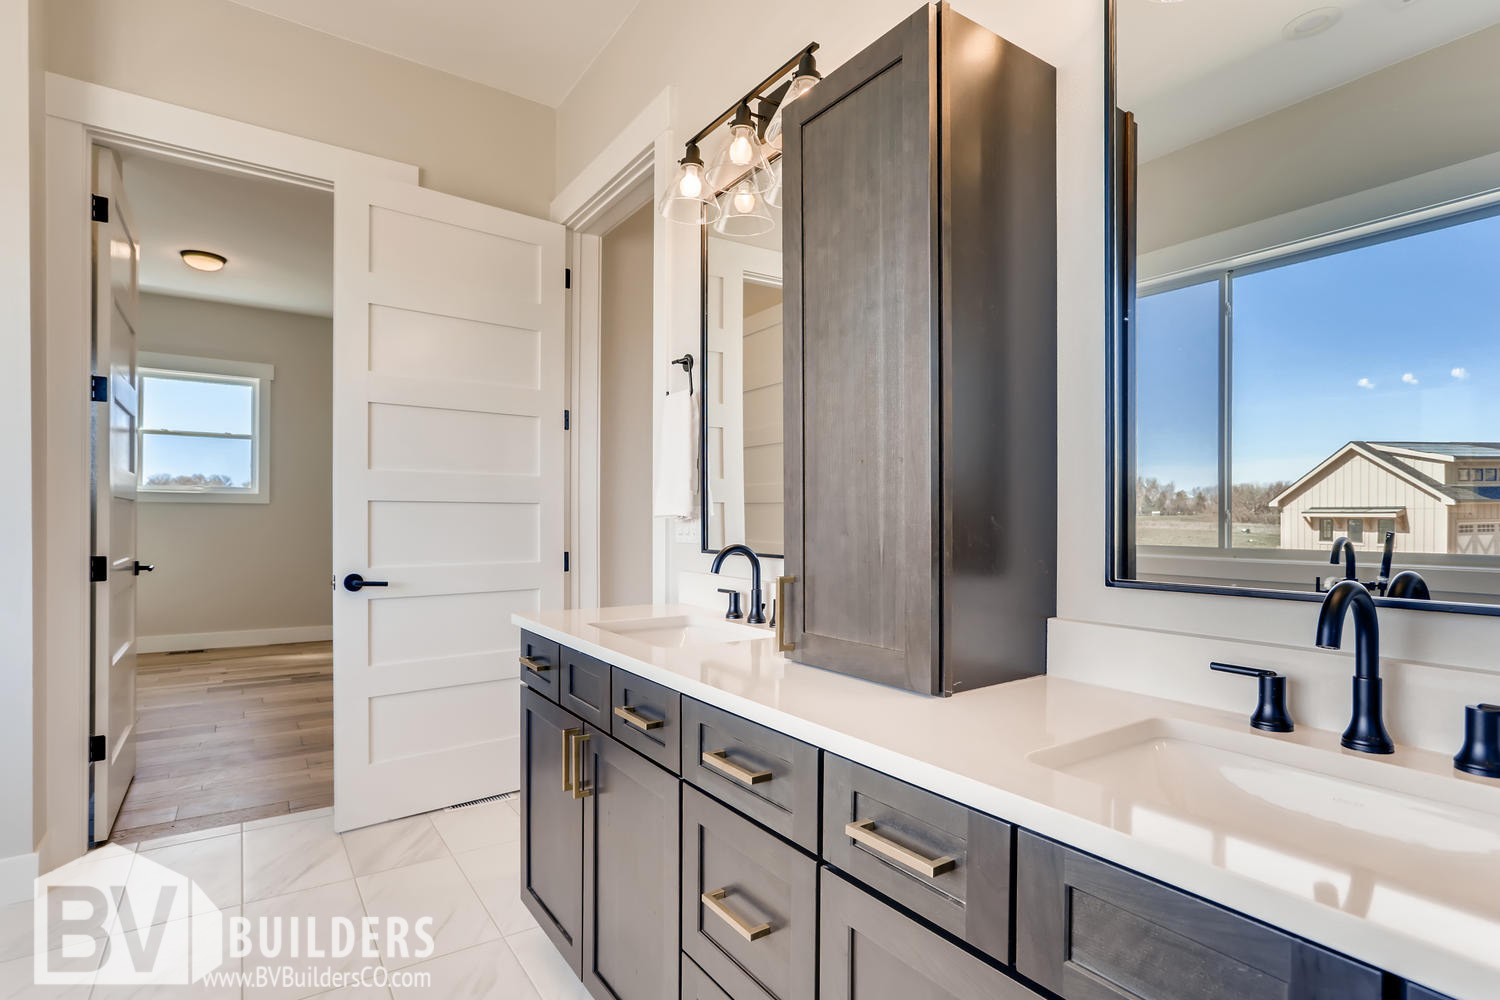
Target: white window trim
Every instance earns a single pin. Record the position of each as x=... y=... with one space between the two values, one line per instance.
x=151 y=361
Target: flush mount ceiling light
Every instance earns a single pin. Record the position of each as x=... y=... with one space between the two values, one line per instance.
x=1314 y=22
x=204 y=260
x=733 y=192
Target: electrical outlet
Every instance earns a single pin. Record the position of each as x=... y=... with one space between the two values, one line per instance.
x=687 y=531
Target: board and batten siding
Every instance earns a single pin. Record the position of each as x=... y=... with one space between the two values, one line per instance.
x=1358 y=482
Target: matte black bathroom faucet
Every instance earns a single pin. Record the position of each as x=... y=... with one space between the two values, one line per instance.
x=757 y=606
x=1366 y=730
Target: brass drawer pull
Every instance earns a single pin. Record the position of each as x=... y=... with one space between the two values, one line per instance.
x=719 y=761
x=535 y=665
x=636 y=719
x=750 y=932
x=782 y=646
x=580 y=790
x=567 y=757
x=863 y=831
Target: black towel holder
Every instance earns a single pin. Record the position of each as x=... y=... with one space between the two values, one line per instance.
x=686 y=361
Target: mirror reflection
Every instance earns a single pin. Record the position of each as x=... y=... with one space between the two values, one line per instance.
x=1314 y=352
x=742 y=420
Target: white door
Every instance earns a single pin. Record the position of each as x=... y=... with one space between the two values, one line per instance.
x=116 y=255
x=447 y=488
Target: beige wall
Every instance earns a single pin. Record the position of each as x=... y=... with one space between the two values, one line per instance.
x=215 y=56
x=1427 y=112
x=625 y=409
x=229 y=567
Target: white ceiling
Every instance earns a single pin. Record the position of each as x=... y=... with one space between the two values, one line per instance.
x=537 y=49
x=1193 y=69
x=278 y=236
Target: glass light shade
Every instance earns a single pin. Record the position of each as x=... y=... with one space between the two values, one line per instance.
x=773 y=189
x=689 y=199
x=744 y=211
x=800 y=85
x=741 y=157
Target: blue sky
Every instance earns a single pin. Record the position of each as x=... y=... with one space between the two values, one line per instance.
x=213 y=407
x=1357 y=345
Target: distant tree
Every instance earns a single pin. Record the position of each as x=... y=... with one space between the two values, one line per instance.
x=196 y=479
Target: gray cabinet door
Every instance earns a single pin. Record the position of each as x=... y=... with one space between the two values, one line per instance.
x=1090 y=931
x=583 y=688
x=551 y=824
x=858 y=359
x=696 y=985
x=870 y=951
x=630 y=872
x=749 y=904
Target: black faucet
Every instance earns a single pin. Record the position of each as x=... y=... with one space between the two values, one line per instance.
x=757 y=606
x=1409 y=585
x=1342 y=545
x=1366 y=730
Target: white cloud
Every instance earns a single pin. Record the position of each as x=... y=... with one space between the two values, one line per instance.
x=1460 y=373
x=1365 y=383
x=1409 y=378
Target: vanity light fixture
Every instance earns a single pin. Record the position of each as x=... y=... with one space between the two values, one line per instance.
x=203 y=260
x=744 y=176
x=806 y=79
x=690 y=198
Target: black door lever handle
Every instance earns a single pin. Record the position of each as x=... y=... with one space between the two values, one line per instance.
x=356 y=583
x=141 y=567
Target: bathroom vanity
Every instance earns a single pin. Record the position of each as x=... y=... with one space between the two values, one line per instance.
x=709 y=819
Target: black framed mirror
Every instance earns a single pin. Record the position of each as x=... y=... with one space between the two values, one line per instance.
x=1303 y=213
x=740 y=402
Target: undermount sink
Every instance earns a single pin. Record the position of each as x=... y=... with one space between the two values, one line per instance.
x=673 y=631
x=1187 y=779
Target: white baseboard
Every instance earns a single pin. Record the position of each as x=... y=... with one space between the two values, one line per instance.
x=17 y=878
x=226 y=640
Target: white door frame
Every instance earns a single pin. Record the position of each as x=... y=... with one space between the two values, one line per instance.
x=78 y=115
x=637 y=164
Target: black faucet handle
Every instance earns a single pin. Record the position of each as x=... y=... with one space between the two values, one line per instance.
x=734 y=602
x=1271 y=714
x=1481 y=750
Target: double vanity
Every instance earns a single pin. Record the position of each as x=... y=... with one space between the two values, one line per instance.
x=705 y=818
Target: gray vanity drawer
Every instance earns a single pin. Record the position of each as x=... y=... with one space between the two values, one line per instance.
x=696 y=985
x=540 y=663
x=583 y=687
x=646 y=717
x=749 y=904
x=768 y=776
x=871 y=951
x=945 y=862
x=1090 y=931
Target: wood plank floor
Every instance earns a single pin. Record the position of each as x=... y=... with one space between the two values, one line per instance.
x=229 y=735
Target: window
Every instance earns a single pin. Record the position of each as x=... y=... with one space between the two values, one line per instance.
x=1386 y=524
x=1325 y=529
x=1356 y=529
x=203 y=429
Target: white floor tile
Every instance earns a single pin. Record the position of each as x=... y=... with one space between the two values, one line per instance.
x=156 y=843
x=105 y=870
x=436 y=889
x=473 y=827
x=548 y=972
x=173 y=946
x=213 y=865
x=284 y=818
x=318 y=905
x=357 y=993
x=396 y=844
x=486 y=972
x=18 y=982
x=289 y=857
x=495 y=874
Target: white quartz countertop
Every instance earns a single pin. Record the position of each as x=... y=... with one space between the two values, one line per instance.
x=1421 y=901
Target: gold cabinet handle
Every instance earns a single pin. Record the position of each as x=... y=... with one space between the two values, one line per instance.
x=862 y=831
x=719 y=761
x=750 y=932
x=636 y=719
x=536 y=666
x=580 y=790
x=567 y=757
x=782 y=582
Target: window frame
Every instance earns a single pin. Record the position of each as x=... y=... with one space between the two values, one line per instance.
x=223 y=371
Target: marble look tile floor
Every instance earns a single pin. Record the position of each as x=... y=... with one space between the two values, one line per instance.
x=458 y=866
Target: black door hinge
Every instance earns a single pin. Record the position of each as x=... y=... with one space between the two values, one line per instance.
x=567 y=277
x=98 y=569
x=98 y=208
x=567 y=420
x=565 y=562
x=98 y=749
x=99 y=388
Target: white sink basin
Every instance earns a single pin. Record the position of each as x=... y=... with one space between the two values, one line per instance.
x=1205 y=778
x=674 y=631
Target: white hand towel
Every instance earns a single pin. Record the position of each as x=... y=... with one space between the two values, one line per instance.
x=676 y=492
